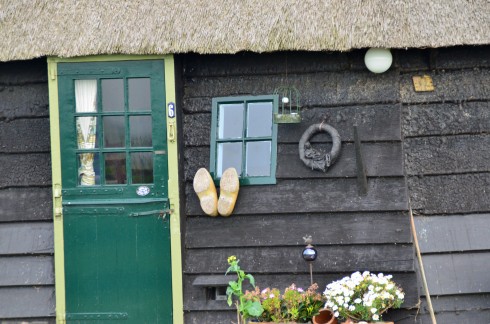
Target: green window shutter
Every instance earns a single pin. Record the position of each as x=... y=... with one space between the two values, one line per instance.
x=244 y=136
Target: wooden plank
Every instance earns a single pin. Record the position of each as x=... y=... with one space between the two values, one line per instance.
x=461 y=273
x=27 y=302
x=26 y=238
x=379 y=258
x=26 y=271
x=20 y=204
x=196 y=65
x=401 y=316
x=25 y=170
x=23 y=72
x=452 y=85
x=325 y=229
x=456 y=303
x=451 y=194
x=473 y=316
x=314 y=195
x=24 y=101
x=210 y=317
x=195 y=298
x=25 y=135
x=447 y=154
x=381 y=159
x=317 y=89
x=446 y=119
x=462 y=57
x=453 y=233
x=376 y=123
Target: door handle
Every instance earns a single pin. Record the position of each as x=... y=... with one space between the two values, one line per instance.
x=162 y=213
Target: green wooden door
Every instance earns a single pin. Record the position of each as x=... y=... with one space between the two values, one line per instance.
x=115 y=194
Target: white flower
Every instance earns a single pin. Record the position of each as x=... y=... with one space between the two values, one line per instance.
x=336 y=314
x=352 y=307
x=358 y=301
x=371 y=287
x=375 y=317
x=335 y=307
x=373 y=310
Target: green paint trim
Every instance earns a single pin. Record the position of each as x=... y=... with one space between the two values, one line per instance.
x=59 y=260
x=245 y=100
x=173 y=195
x=173 y=182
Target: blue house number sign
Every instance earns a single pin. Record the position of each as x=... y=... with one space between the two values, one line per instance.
x=171 y=110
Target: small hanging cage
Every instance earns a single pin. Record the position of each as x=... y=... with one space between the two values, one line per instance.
x=289 y=106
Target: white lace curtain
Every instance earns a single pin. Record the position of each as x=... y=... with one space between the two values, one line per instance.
x=86 y=101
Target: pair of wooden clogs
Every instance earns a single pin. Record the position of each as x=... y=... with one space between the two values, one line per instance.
x=206 y=191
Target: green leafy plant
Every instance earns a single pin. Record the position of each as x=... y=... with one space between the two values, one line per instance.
x=246 y=307
x=363 y=297
x=294 y=305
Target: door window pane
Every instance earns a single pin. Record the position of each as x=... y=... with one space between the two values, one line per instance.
x=86 y=96
x=258 y=161
x=114 y=134
x=88 y=169
x=112 y=94
x=87 y=132
x=142 y=167
x=115 y=168
x=259 y=119
x=139 y=94
x=140 y=131
x=229 y=156
x=230 y=121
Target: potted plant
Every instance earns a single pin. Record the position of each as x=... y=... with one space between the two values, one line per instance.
x=293 y=305
x=363 y=297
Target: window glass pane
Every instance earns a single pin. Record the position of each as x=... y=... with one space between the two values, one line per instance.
x=114 y=131
x=230 y=123
x=86 y=95
x=87 y=136
x=112 y=94
x=115 y=168
x=258 y=161
x=259 y=119
x=229 y=155
x=140 y=131
x=88 y=169
x=142 y=167
x=139 y=96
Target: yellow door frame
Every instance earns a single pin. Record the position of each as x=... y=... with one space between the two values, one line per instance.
x=173 y=179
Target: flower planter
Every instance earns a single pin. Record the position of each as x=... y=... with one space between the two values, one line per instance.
x=349 y=321
x=325 y=317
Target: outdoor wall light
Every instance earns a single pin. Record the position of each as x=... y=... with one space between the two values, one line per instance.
x=378 y=60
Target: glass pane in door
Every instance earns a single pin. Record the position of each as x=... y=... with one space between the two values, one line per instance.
x=115 y=168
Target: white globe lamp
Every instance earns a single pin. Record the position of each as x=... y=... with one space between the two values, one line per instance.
x=378 y=60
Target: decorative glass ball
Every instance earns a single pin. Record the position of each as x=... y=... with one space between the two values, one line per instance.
x=285 y=100
x=310 y=253
x=378 y=60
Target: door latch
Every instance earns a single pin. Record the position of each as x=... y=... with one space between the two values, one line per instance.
x=161 y=213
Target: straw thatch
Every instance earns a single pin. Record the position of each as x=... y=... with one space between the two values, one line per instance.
x=33 y=28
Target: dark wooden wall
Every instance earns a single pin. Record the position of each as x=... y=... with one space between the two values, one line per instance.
x=351 y=231
x=26 y=234
x=447 y=160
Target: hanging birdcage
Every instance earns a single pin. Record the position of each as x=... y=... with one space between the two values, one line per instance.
x=289 y=105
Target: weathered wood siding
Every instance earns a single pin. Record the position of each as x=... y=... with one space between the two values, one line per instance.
x=447 y=160
x=351 y=232
x=26 y=231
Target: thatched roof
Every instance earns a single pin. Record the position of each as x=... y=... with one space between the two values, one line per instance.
x=33 y=28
